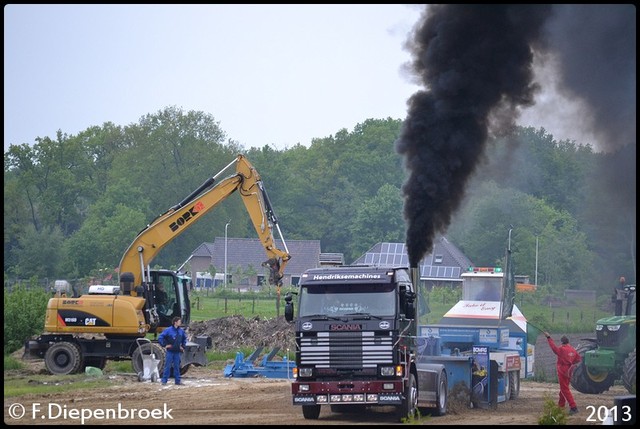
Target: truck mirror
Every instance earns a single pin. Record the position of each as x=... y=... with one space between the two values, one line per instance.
x=288 y=310
x=288 y=307
x=410 y=310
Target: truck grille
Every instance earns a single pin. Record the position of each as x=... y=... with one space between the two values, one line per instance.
x=608 y=338
x=346 y=349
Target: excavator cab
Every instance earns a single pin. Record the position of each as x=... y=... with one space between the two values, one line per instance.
x=176 y=302
x=166 y=296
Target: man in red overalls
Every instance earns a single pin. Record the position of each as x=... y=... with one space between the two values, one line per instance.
x=567 y=357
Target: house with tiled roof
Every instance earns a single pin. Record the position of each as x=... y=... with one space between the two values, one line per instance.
x=442 y=267
x=244 y=257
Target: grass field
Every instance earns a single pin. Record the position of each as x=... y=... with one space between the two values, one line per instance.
x=571 y=317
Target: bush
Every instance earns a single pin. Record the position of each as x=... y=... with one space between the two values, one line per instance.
x=24 y=312
x=552 y=414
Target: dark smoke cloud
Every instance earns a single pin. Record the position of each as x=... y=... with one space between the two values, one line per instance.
x=476 y=63
x=594 y=48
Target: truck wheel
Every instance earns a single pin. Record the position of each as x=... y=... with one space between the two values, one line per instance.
x=147 y=349
x=442 y=393
x=506 y=378
x=629 y=373
x=514 y=384
x=589 y=380
x=407 y=411
x=63 y=358
x=311 y=412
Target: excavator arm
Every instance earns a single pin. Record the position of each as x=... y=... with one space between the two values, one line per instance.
x=178 y=218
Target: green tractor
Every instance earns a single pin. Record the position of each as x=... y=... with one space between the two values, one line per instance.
x=612 y=355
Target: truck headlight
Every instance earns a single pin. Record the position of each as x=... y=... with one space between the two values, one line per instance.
x=303 y=387
x=387 y=371
x=305 y=372
x=599 y=327
x=613 y=328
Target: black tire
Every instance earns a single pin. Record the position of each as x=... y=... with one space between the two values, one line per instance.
x=514 y=382
x=63 y=358
x=95 y=361
x=629 y=373
x=407 y=410
x=442 y=395
x=590 y=381
x=311 y=412
x=147 y=349
x=507 y=385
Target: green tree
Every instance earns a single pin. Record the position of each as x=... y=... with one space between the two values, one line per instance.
x=24 y=312
x=39 y=253
x=111 y=226
x=378 y=219
x=481 y=232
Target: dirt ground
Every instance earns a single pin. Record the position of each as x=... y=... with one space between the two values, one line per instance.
x=208 y=398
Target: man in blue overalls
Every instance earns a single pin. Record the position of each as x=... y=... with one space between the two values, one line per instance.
x=174 y=340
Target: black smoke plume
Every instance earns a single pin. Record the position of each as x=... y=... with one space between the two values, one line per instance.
x=476 y=63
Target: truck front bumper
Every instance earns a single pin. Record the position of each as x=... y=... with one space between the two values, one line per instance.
x=376 y=392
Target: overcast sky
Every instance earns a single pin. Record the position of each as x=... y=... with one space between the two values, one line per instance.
x=273 y=75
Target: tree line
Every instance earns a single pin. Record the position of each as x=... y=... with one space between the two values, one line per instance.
x=74 y=203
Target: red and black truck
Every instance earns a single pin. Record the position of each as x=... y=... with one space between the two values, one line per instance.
x=356 y=343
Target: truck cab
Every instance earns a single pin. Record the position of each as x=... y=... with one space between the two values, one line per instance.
x=356 y=342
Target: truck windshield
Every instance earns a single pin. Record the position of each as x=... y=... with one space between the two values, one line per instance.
x=482 y=289
x=337 y=300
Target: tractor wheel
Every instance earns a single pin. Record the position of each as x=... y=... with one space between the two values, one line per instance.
x=63 y=358
x=590 y=381
x=147 y=349
x=629 y=373
x=407 y=410
x=311 y=412
x=514 y=384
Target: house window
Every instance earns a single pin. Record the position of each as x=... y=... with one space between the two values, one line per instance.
x=438 y=259
x=295 y=280
x=261 y=281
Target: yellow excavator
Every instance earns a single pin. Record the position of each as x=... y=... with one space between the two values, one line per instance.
x=105 y=323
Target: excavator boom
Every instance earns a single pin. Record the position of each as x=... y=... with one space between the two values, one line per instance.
x=178 y=218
